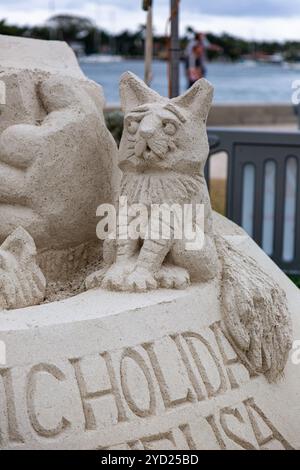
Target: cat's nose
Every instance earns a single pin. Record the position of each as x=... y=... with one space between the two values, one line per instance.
x=146 y=132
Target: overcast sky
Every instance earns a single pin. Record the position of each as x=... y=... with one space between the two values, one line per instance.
x=255 y=19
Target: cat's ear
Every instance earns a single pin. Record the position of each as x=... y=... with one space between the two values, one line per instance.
x=134 y=92
x=197 y=99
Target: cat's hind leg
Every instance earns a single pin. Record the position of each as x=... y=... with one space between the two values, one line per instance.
x=201 y=264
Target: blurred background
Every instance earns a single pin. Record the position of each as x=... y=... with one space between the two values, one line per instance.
x=256 y=62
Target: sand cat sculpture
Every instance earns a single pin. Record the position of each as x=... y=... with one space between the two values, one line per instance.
x=162 y=155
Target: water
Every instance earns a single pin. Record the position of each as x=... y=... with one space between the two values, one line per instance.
x=234 y=83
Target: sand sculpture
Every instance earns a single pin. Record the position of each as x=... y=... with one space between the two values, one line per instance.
x=162 y=155
x=57 y=157
x=169 y=347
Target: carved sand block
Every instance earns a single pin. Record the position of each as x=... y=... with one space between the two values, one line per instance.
x=156 y=370
x=57 y=158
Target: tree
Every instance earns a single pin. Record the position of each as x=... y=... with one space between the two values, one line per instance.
x=11 y=30
x=75 y=28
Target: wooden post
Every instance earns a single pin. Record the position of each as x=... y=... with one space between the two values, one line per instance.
x=149 y=46
x=174 y=86
x=52 y=31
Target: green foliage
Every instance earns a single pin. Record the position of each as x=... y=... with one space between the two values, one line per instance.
x=12 y=30
x=114 y=122
x=232 y=47
x=130 y=44
x=295 y=279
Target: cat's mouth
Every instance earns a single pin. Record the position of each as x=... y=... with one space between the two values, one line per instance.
x=147 y=152
x=152 y=155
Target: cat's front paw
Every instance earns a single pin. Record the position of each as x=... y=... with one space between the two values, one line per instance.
x=140 y=281
x=173 y=277
x=114 y=278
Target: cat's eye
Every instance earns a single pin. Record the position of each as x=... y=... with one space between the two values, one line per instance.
x=169 y=128
x=132 y=127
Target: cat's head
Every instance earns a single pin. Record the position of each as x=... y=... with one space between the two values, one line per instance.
x=160 y=133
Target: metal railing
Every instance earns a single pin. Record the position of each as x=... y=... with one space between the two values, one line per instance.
x=263 y=188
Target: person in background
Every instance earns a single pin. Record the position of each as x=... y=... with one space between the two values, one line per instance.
x=195 y=57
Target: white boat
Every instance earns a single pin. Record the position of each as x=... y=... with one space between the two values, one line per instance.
x=276 y=59
x=100 y=58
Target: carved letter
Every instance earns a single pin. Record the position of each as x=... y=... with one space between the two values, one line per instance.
x=238 y=440
x=195 y=383
x=30 y=395
x=186 y=431
x=139 y=361
x=90 y=419
x=275 y=434
x=159 y=439
x=228 y=362
x=13 y=430
x=212 y=422
x=168 y=402
x=211 y=392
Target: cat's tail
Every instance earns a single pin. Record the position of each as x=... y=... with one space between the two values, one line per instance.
x=255 y=313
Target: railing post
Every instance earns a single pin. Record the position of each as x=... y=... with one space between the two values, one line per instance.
x=147 y=6
x=174 y=50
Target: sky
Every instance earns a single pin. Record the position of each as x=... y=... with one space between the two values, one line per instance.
x=251 y=19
